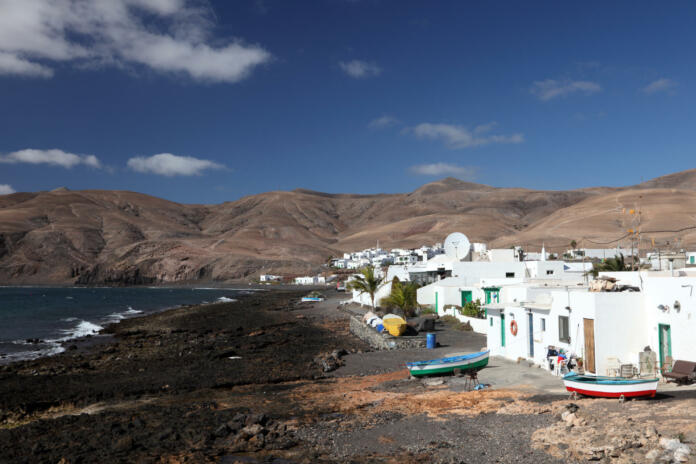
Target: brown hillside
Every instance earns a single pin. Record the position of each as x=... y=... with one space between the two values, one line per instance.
x=124 y=237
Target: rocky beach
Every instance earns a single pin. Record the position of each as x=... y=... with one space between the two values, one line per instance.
x=270 y=379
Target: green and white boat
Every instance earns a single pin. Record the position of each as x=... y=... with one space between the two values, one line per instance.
x=449 y=364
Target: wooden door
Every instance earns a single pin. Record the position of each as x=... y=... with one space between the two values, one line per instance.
x=589 y=345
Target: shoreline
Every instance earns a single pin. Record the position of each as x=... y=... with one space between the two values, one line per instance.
x=247 y=381
x=55 y=346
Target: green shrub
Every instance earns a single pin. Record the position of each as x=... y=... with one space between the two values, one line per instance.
x=473 y=309
x=454 y=323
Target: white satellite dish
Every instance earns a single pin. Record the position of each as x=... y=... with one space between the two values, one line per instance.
x=457 y=246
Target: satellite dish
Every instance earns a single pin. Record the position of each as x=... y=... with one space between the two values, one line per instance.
x=457 y=246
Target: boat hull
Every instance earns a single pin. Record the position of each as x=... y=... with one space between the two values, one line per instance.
x=615 y=389
x=448 y=367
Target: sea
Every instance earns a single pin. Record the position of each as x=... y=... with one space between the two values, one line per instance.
x=55 y=315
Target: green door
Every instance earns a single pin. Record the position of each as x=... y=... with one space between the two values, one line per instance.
x=437 y=310
x=492 y=295
x=502 y=329
x=466 y=297
x=664 y=334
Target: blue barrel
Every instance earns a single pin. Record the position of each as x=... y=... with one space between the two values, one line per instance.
x=430 y=341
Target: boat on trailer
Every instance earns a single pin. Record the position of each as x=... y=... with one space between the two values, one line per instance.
x=463 y=362
x=609 y=387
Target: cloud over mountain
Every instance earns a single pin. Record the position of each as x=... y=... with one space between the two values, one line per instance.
x=456 y=137
x=52 y=157
x=166 y=164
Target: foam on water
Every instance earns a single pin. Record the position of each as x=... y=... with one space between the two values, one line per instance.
x=82 y=329
x=56 y=315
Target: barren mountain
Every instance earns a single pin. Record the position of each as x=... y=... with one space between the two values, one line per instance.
x=118 y=237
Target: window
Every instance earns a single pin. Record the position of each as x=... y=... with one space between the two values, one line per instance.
x=563 y=329
x=543 y=324
x=549 y=272
x=491 y=322
x=509 y=275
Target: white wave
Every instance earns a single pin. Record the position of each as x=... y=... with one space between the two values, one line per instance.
x=224 y=299
x=53 y=349
x=69 y=319
x=130 y=310
x=113 y=317
x=82 y=329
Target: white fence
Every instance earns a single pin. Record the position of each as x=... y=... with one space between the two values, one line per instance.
x=479 y=325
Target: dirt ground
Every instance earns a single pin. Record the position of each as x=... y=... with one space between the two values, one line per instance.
x=245 y=382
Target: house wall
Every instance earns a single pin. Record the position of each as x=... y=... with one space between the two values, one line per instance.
x=364 y=298
x=474 y=271
x=665 y=291
x=621 y=331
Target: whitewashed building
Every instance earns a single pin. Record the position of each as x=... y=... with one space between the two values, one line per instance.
x=605 y=329
x=270 y=278
x=310 y=280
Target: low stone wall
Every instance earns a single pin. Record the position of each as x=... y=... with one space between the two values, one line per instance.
x=384 y=341
x=479 y=325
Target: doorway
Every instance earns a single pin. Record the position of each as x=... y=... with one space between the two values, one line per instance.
x=466 y=297
x=665 y=341
x=530 y=318
x=502 y=329
x=589 y=345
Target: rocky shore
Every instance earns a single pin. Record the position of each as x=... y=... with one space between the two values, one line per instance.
x=270 y=379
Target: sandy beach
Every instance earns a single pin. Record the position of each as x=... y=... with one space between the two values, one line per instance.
x=244 y=382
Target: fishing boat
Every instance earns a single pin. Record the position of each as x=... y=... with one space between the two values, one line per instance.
x=449 y=364
x=609 y=387
x=395 y=325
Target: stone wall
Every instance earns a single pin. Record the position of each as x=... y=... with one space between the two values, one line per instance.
x=384 y=341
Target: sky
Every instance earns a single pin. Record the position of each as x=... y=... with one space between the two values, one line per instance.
x=208 y=101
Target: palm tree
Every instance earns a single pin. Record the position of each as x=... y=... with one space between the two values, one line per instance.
x=403 y=296
x=366 y=282
x=615 y=264
x=573 y=244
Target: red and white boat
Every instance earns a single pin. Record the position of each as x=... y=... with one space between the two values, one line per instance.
x=610 y=387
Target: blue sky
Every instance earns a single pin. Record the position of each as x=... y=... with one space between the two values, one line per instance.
x=203 y=102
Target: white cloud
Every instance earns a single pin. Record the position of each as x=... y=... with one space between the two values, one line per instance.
x=461 y=137
x=6 y=189
x=13 y=64
x=52 y=157
x=661 y=85
x=360 y=69
x=384 y=121
x=550 y=88
x=444 y=169
x=166 y=164
x=170 y=36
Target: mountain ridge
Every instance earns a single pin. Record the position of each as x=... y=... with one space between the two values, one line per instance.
x=121 y=237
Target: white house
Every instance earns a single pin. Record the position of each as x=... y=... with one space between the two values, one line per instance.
x=270 y=278
x=604 y=328
x=309 y=280
x=598 y=253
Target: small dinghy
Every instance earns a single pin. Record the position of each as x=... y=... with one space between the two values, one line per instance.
x=609 y=387
x=448 y=365
x=395 y=325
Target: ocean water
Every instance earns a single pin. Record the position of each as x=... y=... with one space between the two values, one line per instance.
x=55 y=315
